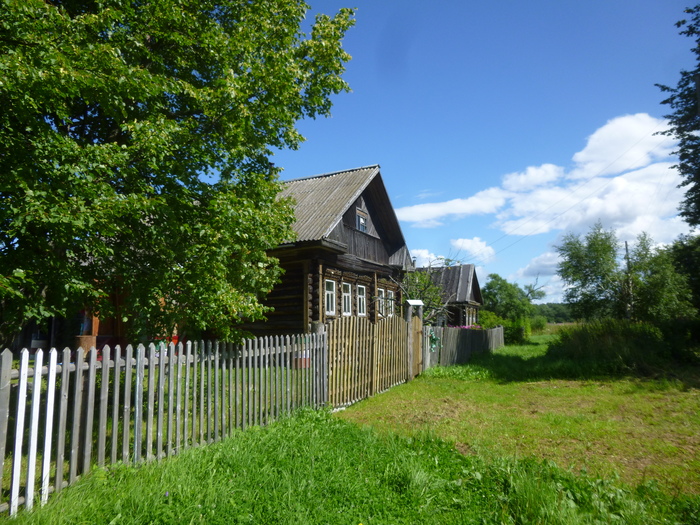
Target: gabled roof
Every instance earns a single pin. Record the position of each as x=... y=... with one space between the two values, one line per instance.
x=459 y=283
x=322 y=200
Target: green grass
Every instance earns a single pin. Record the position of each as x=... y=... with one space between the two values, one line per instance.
x=521 y=402
x=316 y=468
x=519 y=436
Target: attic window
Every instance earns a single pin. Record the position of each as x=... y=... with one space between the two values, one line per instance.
x=361 y=220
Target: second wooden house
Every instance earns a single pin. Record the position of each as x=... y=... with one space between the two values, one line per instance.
x=348 y=256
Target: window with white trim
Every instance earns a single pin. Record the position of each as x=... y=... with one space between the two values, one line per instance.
x=381 y=301
x=361 y=220
x=330 y=297
x=390 y=307
x=347 y=299
x=361 y=300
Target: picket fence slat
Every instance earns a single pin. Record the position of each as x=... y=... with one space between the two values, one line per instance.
x=50 y=401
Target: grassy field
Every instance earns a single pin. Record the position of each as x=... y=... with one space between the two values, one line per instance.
x=315 y=468
x=520 y=403
x=471 y=444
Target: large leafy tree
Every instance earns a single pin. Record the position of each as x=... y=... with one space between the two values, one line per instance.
x=659 y=292
x=641 y=284
x=134 y=146
x=589 y=268
x=684 y=101
x=508 y=300
x=685 y=253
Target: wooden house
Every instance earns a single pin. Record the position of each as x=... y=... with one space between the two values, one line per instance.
x=347 y=258
x=461 y=292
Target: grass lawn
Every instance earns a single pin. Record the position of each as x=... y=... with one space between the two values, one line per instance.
x=461 y=445
x=518 y=403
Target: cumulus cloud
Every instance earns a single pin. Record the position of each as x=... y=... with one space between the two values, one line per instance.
x=623 y=143
x=425 y=257
x=648 y=196
x=475 y=248
x=621 y=174
x=532 y=177
x=623 y=177
x=542 y=265
x=431 y=214
x=543 y=268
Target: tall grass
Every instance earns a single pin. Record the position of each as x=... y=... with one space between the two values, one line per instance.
x=315 y=468
x=614 y=345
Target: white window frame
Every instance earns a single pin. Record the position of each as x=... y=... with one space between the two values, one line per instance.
x=390 y=306
x=381 y=302
x=329 y=296
x=347 y=298
x=361 y=220
x=361 y=300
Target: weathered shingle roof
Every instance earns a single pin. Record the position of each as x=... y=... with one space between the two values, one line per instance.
x=322 y=200
x=459 y=283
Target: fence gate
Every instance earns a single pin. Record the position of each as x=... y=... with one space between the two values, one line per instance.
x=365 y=358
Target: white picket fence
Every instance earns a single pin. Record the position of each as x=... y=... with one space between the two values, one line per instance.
x=62 y=413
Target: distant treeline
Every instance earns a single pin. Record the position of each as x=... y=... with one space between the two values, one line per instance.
x=554 y=312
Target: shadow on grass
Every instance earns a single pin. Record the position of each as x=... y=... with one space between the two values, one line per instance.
x=508 y=367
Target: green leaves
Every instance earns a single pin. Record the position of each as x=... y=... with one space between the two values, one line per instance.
x=684 y=121
x=642 y=284
x=113 y=113
x=506 y=300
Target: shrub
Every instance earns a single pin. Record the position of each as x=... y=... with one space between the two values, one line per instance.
x=516 y=331
x=538 y=324
x=682 y=337
x=615 y=344
x=488 y=320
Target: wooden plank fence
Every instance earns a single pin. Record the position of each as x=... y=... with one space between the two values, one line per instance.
x=59 y=419
x=445 y=346
x=365 y=358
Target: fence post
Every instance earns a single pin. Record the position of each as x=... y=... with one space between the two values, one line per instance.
x=320 y=370
x=408 y=315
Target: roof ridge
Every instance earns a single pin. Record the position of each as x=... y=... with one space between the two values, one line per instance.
x=371 y=166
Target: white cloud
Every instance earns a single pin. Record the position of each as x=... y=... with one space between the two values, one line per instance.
x=617 y=202
x=532 y=177
x=425 y=257
x=623 y=178
x=623 y=143
x=543 y=270
x=542 y=265
x=475 y=248
x=429 y=215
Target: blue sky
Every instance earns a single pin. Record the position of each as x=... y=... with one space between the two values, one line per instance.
x=501 y=126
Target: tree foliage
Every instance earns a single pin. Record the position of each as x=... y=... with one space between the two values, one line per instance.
x=554 y=312
x=589 y=267
x=134 y=146
x=507 y=300
x=642 y=284
x=420 y=285
x=684 y=121
x=685 y=252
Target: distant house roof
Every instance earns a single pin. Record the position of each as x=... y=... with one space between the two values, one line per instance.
x=322 y=200
x=459 y=283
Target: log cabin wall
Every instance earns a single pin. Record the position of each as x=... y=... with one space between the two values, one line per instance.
x=347 y=239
